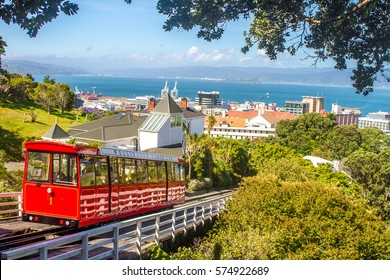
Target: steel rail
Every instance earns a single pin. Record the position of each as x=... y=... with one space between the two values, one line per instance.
x=126 y=237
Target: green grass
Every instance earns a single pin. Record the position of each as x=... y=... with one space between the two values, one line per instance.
x=16 y=125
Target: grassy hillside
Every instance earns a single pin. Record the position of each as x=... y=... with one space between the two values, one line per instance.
x=16 y=125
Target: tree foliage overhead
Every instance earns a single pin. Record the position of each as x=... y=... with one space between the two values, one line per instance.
x=31 y=15
x=344 y=30
x=340 y=30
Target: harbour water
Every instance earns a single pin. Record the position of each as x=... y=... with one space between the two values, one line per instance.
x=379 y=100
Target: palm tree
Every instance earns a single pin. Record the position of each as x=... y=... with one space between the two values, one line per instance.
x=212 y=122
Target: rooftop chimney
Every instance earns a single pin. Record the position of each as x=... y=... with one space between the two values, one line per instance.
x=183 y=102
x=151 y=104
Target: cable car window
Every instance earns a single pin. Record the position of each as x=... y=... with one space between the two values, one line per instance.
x=87 y=171
x=162 y=176
x=114 y=171
x=127 y=171
x=177 y=172
x=181 y=172
x=171 y=172
x=38 y=167
x=142 y=171
x=101 y=171
x=152 y=172
x=64 y=169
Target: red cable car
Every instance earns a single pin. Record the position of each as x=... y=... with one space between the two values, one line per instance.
x=75 y=186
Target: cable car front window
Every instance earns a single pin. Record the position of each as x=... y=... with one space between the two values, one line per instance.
x=64 y=169
x=38 y=167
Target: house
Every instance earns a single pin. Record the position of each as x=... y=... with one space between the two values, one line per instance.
x=120 y=131
x=56 y=133
x=192 y=118
x=159 y=129
x=163 y=127
x=246 y=124
x=269 y=119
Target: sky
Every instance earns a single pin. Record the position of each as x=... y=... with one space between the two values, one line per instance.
x=115 y=35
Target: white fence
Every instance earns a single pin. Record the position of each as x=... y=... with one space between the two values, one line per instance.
x=126 y=239
x=16 y=204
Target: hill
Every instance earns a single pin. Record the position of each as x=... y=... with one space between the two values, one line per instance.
x=34 y=68
x=306 y=75
x=16 y=125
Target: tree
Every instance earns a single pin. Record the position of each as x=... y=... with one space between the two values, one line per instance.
x=304 y=133
x=372 y=172
x=374 y=139
x=211 y=122
x=4 y=88
x=192 y=150
x=64 y=96
x=43 y=94
x=31 y=15
x=48 y=80
x=21 y=87
x=345 y=30
x=342 y=140
x=273 y=219
x=3 y=44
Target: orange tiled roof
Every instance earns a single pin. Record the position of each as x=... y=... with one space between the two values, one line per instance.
x=233 y=122
x=274 y=117
x=243 y=114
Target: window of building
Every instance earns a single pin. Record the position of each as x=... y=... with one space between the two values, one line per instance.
x=175 y=121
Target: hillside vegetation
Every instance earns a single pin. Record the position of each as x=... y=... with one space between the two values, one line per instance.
x=16 y=125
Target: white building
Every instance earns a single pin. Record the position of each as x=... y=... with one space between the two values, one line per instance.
x=379 y=119
x=240 y=132
x=163 y=127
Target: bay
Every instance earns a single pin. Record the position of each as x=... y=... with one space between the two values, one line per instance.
x=129 y=87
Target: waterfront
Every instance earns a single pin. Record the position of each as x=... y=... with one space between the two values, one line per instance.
x=128 y=87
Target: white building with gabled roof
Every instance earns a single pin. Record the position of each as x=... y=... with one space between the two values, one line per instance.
x=163 y=127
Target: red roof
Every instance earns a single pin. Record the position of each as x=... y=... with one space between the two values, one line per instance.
x=274 y=117
x=243 y=114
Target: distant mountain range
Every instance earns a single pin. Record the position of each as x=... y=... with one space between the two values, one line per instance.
x=35 y=68
x=307 y=75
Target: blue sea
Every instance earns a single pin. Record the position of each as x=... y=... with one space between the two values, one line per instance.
x=379 y=100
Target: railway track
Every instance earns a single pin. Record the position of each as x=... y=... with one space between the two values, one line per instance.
x=19 y=240
x=28 y=237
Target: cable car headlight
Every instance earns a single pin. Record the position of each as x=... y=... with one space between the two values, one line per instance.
x=49 y=191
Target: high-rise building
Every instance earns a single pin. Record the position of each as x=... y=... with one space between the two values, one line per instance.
x=316 y=104
x=296 y=107
x=208 y=99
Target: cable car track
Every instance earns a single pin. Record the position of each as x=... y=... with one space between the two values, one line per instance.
x=20 y=238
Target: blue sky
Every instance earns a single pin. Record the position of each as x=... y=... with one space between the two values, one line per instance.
x=112 y=34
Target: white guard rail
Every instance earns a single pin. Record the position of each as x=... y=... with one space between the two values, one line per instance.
x=125 y=239
x=16 y=204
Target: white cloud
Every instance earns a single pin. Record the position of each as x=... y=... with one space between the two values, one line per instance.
x=194 y=54
x=193 y=51
x=261 y=52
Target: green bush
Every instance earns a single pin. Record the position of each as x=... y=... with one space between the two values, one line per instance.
x=200 y=184
x=279 y=216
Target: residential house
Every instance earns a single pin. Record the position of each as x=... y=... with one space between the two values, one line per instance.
x=120 y=131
